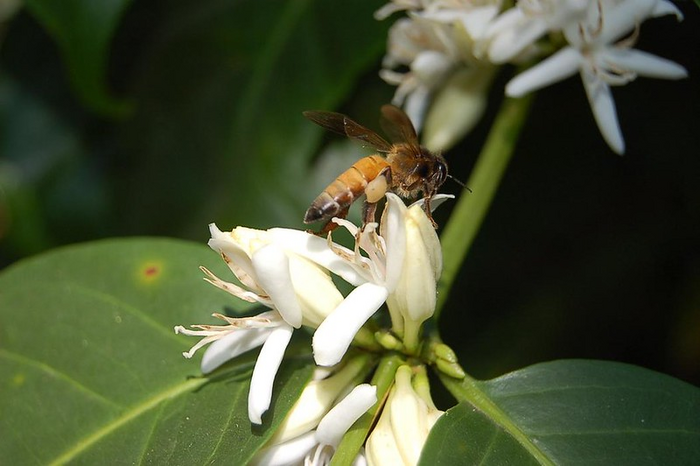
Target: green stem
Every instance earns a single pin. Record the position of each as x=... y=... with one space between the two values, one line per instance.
x=412 y=337
x=469 y=391
x=471 y=208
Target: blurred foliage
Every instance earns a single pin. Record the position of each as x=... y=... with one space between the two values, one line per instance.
x=158 y=117
x=83 y=30
x=215 y=132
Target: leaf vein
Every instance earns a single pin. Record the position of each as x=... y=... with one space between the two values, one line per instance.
x=127 y=416
x=42 y=366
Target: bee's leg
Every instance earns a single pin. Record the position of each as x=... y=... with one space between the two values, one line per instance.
x=330 y=225
x=374 y=192
x=426 y=207
x=368 y=213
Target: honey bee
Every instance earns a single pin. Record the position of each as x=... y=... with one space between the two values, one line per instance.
x=406 y=168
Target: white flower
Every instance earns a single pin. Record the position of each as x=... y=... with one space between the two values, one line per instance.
x=415 y=295
x=295 y=288
x=241 y=335
x=602 y=62
x=475 y=16
x=271 y=266
x=436 y=44
x=316 y=447
x=405 y=421
x=399 y=5
x=387 y=271
x=428 y=49
x=519 y=27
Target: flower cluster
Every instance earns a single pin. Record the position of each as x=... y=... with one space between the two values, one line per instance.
x=450 y=48
x=320 y=418
x=290 y=272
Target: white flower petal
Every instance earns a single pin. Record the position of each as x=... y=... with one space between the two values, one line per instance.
x=506 y=21
x=622 y=18
x=415 y=295
x=409 y=417
x=427 y=236
x=477 y=19
x=342 y=416
x=216 y=233
x=646 y=64
x=435 y=201
x=333 y=337
x=232 y=345
x=290 y=452
x=269 y=360
x=559 y=66
x=430 y=67
x=394 y=227
x=416 y=105
x=271 y=266
x=238 y=258
x=381 y=447
x=316 y=400
x=223 y=242
x=316 y=250
x=665 y=7
x=603 y=106
x=457 y=107
x=512 y=41
x=315 y=291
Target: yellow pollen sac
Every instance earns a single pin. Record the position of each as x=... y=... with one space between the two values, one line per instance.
x=376 y=189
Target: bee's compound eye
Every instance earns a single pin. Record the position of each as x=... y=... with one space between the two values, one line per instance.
x=441 y=172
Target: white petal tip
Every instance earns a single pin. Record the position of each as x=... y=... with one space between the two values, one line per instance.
x=514 y=91
x=342 y=416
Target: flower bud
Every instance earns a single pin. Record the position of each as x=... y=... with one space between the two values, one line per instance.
x=415 y=294
x=457 y=107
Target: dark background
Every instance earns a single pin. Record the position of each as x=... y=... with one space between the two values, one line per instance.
x=584 y=254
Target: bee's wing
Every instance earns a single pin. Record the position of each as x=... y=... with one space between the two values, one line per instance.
x=341 y=124
x=398 y=126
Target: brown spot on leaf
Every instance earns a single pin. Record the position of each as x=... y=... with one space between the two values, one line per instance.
x=150 y=271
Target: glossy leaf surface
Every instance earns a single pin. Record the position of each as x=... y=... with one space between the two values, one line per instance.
x=92 y=371
x=570 y=412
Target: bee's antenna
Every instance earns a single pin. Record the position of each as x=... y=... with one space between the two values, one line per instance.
x=459 y=183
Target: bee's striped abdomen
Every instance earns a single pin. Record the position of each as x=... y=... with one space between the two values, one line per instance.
x=344 y=190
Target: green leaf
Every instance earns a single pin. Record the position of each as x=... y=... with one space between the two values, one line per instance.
x=91 y=370
x=570 y=412
x=83 y=30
